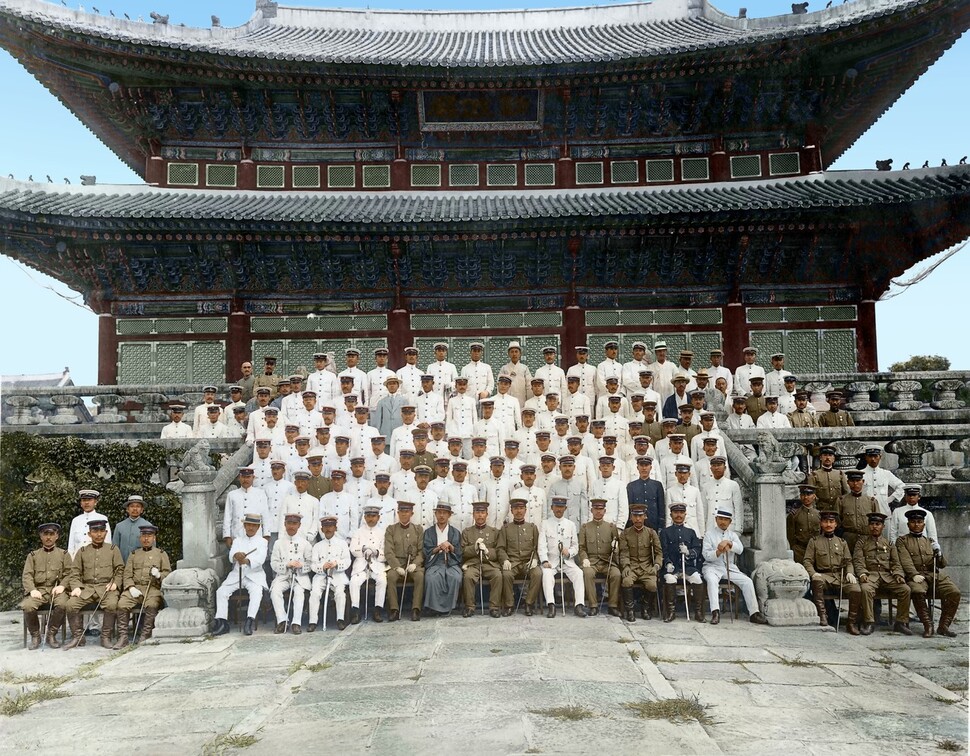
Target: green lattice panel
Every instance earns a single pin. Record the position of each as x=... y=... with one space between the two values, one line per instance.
x=765 y=315
x=497 y=351
x=172 y=362
x=839 y=351
x=134 y=327
x=135 y=364
x=540 y=319
x=209 y=325
x=267 y=348
x=299 y=353
x=367 y=347
x=602 y=317
x=370 y=322
x=466 y=321
x=675 y=343
x=504 y=320
x=767 y=342
x=701 y=345
x=337 y=347
x=209 y=362
x=670 y=317
x=172 y=325
x=801 y=351
x=327 y=323
x=532 y=349
x=705 y=317
x=435 y=321
x=626 y=344
x=801 y=314
x=838 y=312
x=268 y=325
x=641 y=318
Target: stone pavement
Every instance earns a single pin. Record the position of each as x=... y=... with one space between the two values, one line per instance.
x=487 y=685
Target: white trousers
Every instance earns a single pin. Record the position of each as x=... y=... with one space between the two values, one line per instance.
x=572 y=571
x=281 y=584
x=715 y=573
x=673 y=578
x=229 y=586
x=338 y=584
x=361 y=572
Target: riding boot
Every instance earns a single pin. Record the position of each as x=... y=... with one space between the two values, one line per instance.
x=919 y=604
x=670 y=596
x=54 y=627
x=697 y=593
x=107 y=629
x=628 y=604
x=818 y=594
x=947 y=612
x=123 y=620
x=148 y=625
x=850 y=623
x=77 y=631
x=32 y=621
x=647 y=603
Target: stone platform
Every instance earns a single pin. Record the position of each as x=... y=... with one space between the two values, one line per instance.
x=486 y=685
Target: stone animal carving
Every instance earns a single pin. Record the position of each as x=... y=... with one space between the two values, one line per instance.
x=158 y=18
x=799 y=8
x=780 y=579
x=196 y=459
x=768 y=450
x=884 y=165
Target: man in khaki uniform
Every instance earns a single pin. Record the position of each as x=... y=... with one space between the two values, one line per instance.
x=518 y=552
x=854 y=509
x=95 y=576
x=876 y=564
x=405 y=559
x=834 y=417
x=479 y=557
x=268 y=379
x=803 y=523
x=640 y=559
x=598 y=542
x=829 y=565
x=916 y=555
x=147 y=567
x=801 y=417
x=829 y=483
x=45 y=578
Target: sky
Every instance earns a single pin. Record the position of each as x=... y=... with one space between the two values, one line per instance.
x=44 y=327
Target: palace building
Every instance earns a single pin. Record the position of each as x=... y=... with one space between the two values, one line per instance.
x=315 y=179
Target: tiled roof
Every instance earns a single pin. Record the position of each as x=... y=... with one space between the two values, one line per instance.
x=144 y=203
x=466 y=39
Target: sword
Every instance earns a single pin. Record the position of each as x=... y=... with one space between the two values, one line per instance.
x=562 y=581
x=326 y=597
x=683 y=574
x=838 y=614
x=366 y=586
x=405 y=582
x=289 y=600
x=144 y=598
x=481 y=580
x=932 y=596
x=609 y=566
x=730 y=592
x=43 y=642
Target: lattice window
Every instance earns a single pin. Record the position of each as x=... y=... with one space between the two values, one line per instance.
x=541 y=319
x=589 y=173
x=465 y=321
x=172 y=362
x=135 y=363
x=223 y=176
x=768 y=342
x=183 y=174
x=267 y=348
x=331 y=323
x=839 y=312
x=172 y=325
x=306 y=176
x=425 y=175
x=209 y=325
x=370 y=322
x=801 y=314
x=268 y=324
x=702 y=344
x=501 y=175
x=784 y=164
x=134 y=327
x=463 y=174
x=540 y=174
x=660 y=170
x=602 y=317
x=705 y=317
x=299 y=354
x=765 y=315
x=624 y=172
x=504 y=320
x=802 y=351
x=695 y=169
x=341 y=177
x=670 y=317
x=746 y=166
x=377 y=176
x=208 y=362
x=270 y=176
x=838 y=351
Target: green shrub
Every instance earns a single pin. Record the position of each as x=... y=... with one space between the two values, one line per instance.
x=39 y=480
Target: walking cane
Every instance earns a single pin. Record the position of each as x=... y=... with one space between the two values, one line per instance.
x=405 y=583
x=838 y=615
x=289 y=600
x=144 y=598
x=47 y=625
x=522 y=587
x=562 y=580
x=683 y=574
x=87 y=625
x=481 y=581
x=366 y=585
x=933 y=594
x=730 y=591
x=326 y=598
x=609 y=566
x=240 y=574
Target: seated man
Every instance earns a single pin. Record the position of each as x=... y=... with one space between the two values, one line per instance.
x=518 y=545
x=598 y=543
x=45 y=578
x=246 y=556
x=330 y=560
x=829 y=565
x=479 y=556
x=876 y=564
x=721 y=549
x=403 y=549
x=442 y=562
x=682 y=549
x=640 y=558
x=291 y=564
x=367 y=548
x=558 y=547
x=95 y=578
x=922 y=561
x=147 y=567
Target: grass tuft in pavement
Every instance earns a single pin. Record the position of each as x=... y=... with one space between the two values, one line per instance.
x=680 y=709
x=739 y=681
x=944 y=700
x=949 y=745
x=798 y=661
x=564 y=713
x=11 y=678
x=634 y=654
x=885 y=660
x=222 y=744
x=295 y=666
x=318 y=667
x=12 y=705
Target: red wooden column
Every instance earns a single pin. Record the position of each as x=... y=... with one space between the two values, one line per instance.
x=734 y=334
x=573 y=334
x=239 y=343
x=399 y=336
x=107 y=350
x=865 y=338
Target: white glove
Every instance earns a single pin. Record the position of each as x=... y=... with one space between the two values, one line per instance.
x=533 y=563
x=586 y=563
x=936 y=548
x=412 y=567
x=852 y=579
x=156 y=573
x=919 y=579
x=670 y=568
x=683 y=549
x=135 y=593
x=506 y=565
x=401 y=571
x=482 y=547
x=368 y=554
x=36 y=594
x=479 y=542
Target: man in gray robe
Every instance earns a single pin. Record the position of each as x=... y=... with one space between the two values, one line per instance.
x=442 y=562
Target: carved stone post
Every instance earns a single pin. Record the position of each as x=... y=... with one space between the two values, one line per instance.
x=911 y=468
x=65 y=406
x=151 y=411
x=962 y=445
x=859 y=400
x=904 y=393
x=945 y=396
x=22 y=410
x=109 y=412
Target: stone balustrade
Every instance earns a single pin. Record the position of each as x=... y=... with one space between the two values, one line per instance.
x=897 y=392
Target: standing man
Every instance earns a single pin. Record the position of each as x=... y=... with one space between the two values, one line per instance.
x=246 y=556
x=410 y=375
x=127 y=534
x=147 y=567
x=717 y=370
x=330 y=560
x=376 y=383
x=359 y=376
x=648 y=492
x=828 y=482
x=518 y=551
x=177 y=428
x=802 y=524
x=480 y=561
x=829 y=565
x=367 y=548
x=96 y=575
x=553 y=376
x=897 y=522
x=291 y=565
x=386 y=416
x=834 y=417
x=721 y=549
x=876 y=563
x=663 y=371
x=922 y=561
x=630 y=376
x=570 y=490
x=46 y=577
x=854 y=509
x=599 y=556
x=323 y=381
x=481 y=380
x=558 y=547
x=747 y=371
x=79 y=535
x=878 y=481
x=640 y=559
x=585 y=373
x=403 y=548
x=268 y=379
x=608 y=368
x=247 y=499
x=519 y=373
x=775 y=378
x=444 y=372
x=246 y=381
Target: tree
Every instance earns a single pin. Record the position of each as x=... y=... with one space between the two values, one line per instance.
x=921 y=363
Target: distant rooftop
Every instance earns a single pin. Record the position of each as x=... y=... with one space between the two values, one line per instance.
x=40 y=380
